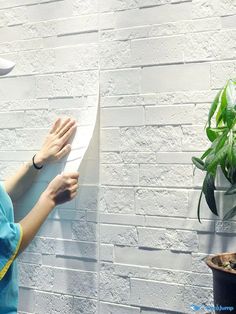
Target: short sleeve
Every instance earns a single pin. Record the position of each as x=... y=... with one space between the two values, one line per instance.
x=10 y=240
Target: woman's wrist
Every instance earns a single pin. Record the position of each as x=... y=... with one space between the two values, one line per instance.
x=48 y=199
x=39 y=160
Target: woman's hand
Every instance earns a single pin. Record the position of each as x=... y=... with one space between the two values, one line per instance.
x=54 y=146
x=62 y=188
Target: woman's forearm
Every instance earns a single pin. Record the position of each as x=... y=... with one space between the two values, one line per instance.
x=32 y=222
x=18 y=183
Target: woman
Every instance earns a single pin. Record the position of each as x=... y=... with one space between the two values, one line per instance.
x=15 y=237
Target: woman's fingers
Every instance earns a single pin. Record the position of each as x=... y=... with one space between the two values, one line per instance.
x=63 y=124
x=73 y=195
x=74 y=188
x=68 y=134
x=71 y=175
x=66 y=128
x=55 y=125
x=63 y=152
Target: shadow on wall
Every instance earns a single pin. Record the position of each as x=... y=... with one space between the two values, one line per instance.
x=63 y=257
x=215 y=235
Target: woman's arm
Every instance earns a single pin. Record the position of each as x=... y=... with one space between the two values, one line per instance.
x=53 y=148
x=61 y=189
x=18 y=183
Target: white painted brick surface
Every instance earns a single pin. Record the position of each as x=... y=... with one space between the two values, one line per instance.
x=130 y=243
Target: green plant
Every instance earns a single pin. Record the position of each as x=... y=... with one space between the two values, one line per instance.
x=221 y=131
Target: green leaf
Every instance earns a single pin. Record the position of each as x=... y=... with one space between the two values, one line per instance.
x=199 y=207
x=230 y=148
x=223 y=104
x=206 y=153
x=198 y=163
x=221 y=140
x=230 y=112
x=209 y=159
x=233 y=151
x=211 y=134
x=230 y=214
x=231 y=190
x=217 y=160
x=213 y=107
x=208 y=189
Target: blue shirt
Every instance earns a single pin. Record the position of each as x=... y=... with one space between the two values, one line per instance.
x=10 y=239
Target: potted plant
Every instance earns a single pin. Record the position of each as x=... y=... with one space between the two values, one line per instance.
x=221 y=132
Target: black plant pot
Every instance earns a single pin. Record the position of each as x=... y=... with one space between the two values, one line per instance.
x=224 y=283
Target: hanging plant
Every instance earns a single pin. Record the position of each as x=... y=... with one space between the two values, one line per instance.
x=221 y=132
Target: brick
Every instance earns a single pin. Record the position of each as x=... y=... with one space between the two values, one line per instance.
x=110 y=59
x=24 y=88
x=180 y=223
x=157 y=51
x=107 y=308
x=193 y=77
x=143 y=292
x=151 y=138
x=66 y=84
x=173 y=115
x=116 y=5
x=82 y=264
x=166 y=176
x=221 y=72
x=138 y=157
x=194 y=138
x=204 y=9
x=35 y=276
x=174 y=158
x=11 y=120
x=119 y=174
x=113 y=288
x=110 y=139
x=152 y=258
x=147 y=3
x=49 y=11
x=228 y=21
x=106 y=252
x=123 y=219
x=72 y=248
x=120 y=82
x=85 y=306
x=198 y=295
x=27 y=257
x=84 y=231
x=117 y=200
x=213 y=8
x=77 y=283
x=56 y=229
x=161 y=202
x=122 y=116
x=153 y=15
x=202 y=46
x=84 y=7
x=82 y=57
x=111 y=158
x=128 y=100
x=121 y=235
x=53 y=302
x=185 y=241
x=163 y=275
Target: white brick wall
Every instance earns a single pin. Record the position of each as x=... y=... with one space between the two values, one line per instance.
x=133 y=245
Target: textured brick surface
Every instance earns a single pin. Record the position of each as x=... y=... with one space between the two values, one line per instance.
x=130 y=243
